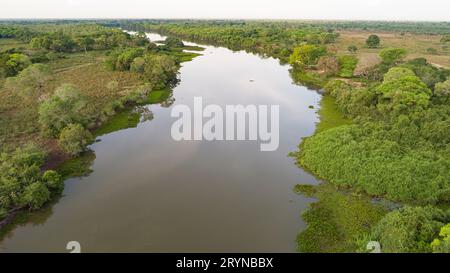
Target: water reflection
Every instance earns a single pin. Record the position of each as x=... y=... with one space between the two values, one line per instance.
x=149 y=193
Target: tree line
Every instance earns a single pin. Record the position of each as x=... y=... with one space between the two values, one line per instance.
x=397 y=146
x=66 y=115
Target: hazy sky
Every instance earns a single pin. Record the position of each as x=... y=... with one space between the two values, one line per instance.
x=437 y=10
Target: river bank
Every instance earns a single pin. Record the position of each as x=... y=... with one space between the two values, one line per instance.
x=119 y=107
x=184 y=185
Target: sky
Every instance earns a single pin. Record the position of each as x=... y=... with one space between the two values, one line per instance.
x=399 y=10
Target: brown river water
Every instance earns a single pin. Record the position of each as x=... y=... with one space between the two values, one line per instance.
x=150 y=193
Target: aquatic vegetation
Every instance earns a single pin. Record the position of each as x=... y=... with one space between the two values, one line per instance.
x=122 y=120
x=337 y=220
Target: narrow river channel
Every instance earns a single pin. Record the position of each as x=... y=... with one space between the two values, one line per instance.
x=150 y=193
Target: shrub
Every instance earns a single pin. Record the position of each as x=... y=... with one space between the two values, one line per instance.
x=432 y=51
x=29 y=83
x=410 y=229
x=351 y=101
x=392 y=56
x=328 y=64
x=74 y=138
x=16 y=62
x=53 y=181
x=159 y=69
x=402 y=91
x=426 y=72
x=442 y=244
x=306 y=55
x=64 y=107
x=21 y=181
x=121 y=60
x=173 y=42
x=347 y=65
x=125 y=59
x=138 y=65
x=352 y=48
x=442 y=92
x=373 y=41
x=35 y=195
x=445 y=38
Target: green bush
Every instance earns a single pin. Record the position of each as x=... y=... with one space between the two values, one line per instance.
x=410 y=229
x=16 y=62
x=392 y=56
x=21 y=180
x=306 y=55
x=173 y=42
x=159 y=69
x=351 y=101
x=35 y=195
x=74 y=138
x=402 y=92
x=428 y=73
x=66 y=106
x=373 y=41
x=347 y=64
x=138 y=65
x=29 y=83
x=53 y=181
x=122 y=60
x=352 y=48
x=442 y=244
x=442 y=92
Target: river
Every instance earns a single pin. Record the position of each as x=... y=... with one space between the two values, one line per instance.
x=149 y=193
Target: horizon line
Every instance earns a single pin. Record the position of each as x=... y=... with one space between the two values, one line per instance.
x=224 y=19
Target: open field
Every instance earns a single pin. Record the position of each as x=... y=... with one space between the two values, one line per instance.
x=415 y=44
x=6 y=44
x=84 y=70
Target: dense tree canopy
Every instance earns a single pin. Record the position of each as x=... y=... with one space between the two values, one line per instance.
x=21 y=181
x=402 y=91
x=428 y=73
x=268 y=38
x=410 y=229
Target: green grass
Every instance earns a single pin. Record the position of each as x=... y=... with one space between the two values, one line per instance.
x=184 y=56
x=158 y=96
x=122 y=120
x=78 y=166
x=6 y=43
x=330 y=116
x=337 y=220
